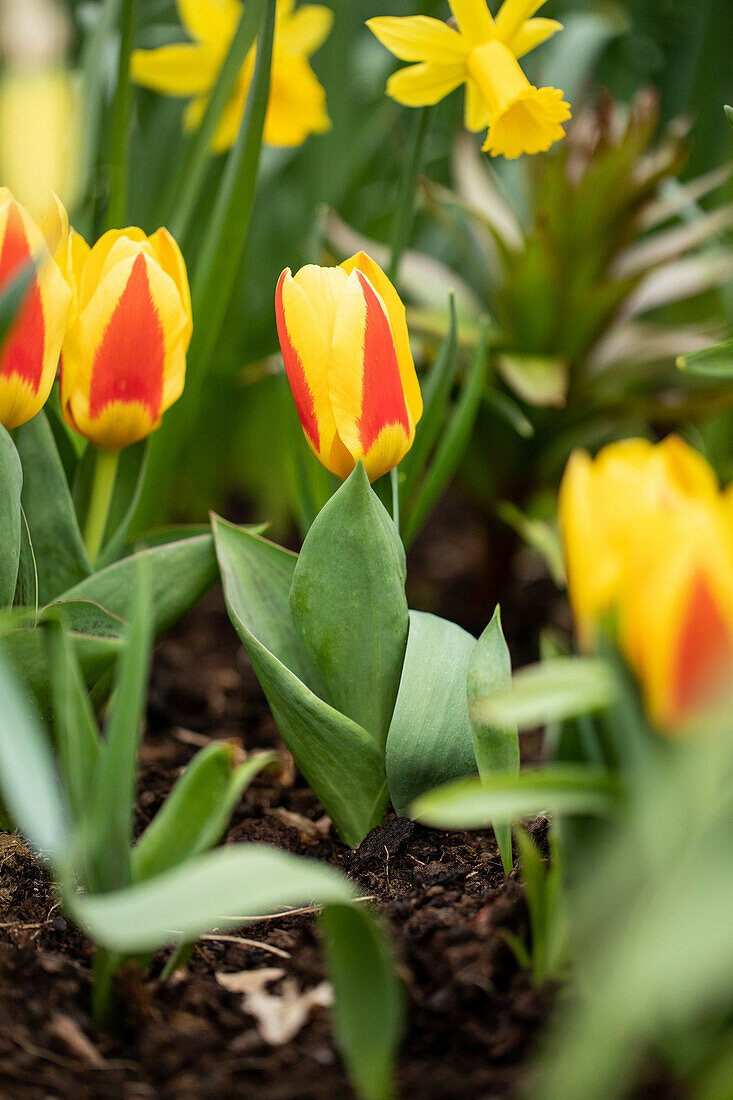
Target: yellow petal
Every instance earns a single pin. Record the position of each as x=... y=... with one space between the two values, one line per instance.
x=118 y=243
x=532 y=34
x=512 y=14
x=210 y=21
x=530 y=124
x=297 y=104
x=398 y=324
x=474 y=19
x=419 y=38
x=169 y=256
x=476 y=111
x=181 y=70
x=424 y=84
x=306 y=30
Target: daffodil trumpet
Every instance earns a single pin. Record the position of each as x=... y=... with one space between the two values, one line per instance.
x=482 y=53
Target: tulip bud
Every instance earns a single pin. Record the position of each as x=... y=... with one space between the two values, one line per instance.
x=124 y=355
x=30 y=355
x=346 y=349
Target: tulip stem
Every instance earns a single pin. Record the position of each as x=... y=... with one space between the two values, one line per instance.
x=103 y=486
x=120 y=139
x=405 y=209
x=394 y=477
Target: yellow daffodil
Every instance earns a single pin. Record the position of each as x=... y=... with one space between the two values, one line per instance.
x=648 y=540
x=297 y=103
x=481 y=52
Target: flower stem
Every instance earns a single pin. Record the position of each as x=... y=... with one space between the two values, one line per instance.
x=394 y=477
x=404 y=212
x=119 y=143
x=105 y=472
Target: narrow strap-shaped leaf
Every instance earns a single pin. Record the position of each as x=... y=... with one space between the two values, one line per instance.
x=11 y=485
x=550 y=691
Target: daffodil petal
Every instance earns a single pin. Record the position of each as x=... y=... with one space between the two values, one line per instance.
x=512 y=14
x=182 y=69
x=531 y=123
x=210 y=21
x=297 y=103
x=424 y=84
x=476 y=110
x=532 y=34
x=474 y=20
x=419 y=38
x=305 y=30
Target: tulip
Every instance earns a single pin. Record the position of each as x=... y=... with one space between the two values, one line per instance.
x=30 y=354
x=346 y=349
x=648 y=540
x=482 y=53
x=124 y=355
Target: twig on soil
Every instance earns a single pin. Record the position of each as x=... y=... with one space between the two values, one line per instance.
x=249 y=943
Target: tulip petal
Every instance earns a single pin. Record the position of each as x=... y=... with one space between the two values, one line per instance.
x=513 y=14
x=532 y=34
x=474 y=19
x=424 y=84
x=398 y=324
x=210 y=21
x=704 y=649
x=182 y=69
x=419 y=38
x=305 y=30
x=169 y=256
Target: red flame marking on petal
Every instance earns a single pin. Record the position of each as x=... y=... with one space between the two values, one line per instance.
x=383 y=399
x=704 y=649
x=296 y=372
x=25 y=345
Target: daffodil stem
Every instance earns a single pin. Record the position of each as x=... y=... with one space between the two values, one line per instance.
x=120 y=139
x=394 y=477
x=103 y=486
x=405 y=213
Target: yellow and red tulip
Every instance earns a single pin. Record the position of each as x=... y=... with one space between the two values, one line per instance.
x=648 y=540
x=344 y=340
x=30 y=355
x=124 y=356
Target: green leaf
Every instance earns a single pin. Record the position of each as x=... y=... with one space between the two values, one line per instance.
x=75 y=728
x=338 y=758
x=218 y=890
x=26 y=650
x=26 y=590
x=369 y=1008
x=54 y=530
x=507 y=409
x=537 y=379
x=496 y=746
x=551 y=691
x=11 y=484
x=128 y=486
x=713 y=362
x=541 y=536
x=348 y=604
x=430 y=739
x=112 y=799
x=195 y=814
x=729 y=113
x=30 y=787
x=476 y=803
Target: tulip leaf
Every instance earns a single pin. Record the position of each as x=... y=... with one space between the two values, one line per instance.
x=26 y=590
x=478 y=802
x=348 y=604
x=430 y=739
x=26 y=651
x=338 y=758
x=196 y=812
x=11 y=484
x=369 y=1008
x=551 y=691
x=128 y=486
x=53 y=527
x=217 y=890
x=496 y=745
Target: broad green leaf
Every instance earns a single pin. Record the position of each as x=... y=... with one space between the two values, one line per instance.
x=181 y=572
x=338 y=758
x=215 y=891
x=26 y=590
x=30 y=787
x=112 y=798
x=85 y=617
x=536 y=379
x=713 y=362
x=369 y=1008
x=75 y=729
x=430 y=739
x=26 y=650
x=11 y=484
x=196 y=812
x=551 y=691
x=59 y=551
x=128 y=485
x=349 y=607
x=476 y=803
x=496 y=746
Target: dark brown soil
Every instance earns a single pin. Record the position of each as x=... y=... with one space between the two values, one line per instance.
x=473 y=1016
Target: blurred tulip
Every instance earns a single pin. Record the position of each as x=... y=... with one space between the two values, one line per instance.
x=30 y=354
x=648 y=540
x=297 y=103
x=344 y=340
x=124 y=355
x=482 y=53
